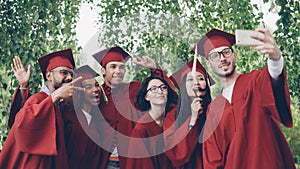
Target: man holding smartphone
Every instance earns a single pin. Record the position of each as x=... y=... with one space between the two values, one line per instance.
x=243 y=122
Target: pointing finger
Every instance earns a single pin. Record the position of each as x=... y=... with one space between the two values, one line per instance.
x=147 y=57
x=137 y=57
x=76 y=80
x=78 y=88
x=135 y=62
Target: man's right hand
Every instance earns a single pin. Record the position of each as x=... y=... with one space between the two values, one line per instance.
x=20 y=73
x=66 y=90
x=145 y=61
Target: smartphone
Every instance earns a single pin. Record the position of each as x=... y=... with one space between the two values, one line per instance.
x=243 y=38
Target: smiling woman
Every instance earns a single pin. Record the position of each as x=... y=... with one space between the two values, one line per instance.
x=81 y=133
x=150 y=88
x=154 y=98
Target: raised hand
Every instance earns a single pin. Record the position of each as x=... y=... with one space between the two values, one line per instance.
x=269 y=47
x=20 y=73
x=145 y=61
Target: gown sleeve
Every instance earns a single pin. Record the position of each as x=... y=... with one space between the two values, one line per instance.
x=35 y=126
x=138 y=147
x=181 y=143
x=16 y=104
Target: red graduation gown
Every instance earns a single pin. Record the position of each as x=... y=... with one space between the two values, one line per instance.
x=183 y=147
x=16 y=104
x=81 y=139
x=122 y=100
x=149 y=148
x=248 y=134
x=118 y=115
x=36 y=140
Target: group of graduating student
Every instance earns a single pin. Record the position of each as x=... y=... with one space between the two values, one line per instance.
x=74 y=122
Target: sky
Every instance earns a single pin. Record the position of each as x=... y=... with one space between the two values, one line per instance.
x=86 y=26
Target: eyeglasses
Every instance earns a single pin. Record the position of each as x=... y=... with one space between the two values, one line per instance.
x=64 y=72
x=154 y=89
x=215 y=56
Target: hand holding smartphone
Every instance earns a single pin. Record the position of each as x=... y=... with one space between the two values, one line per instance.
x=243 y=38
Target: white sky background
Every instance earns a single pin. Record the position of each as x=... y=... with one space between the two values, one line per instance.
x=87 y=28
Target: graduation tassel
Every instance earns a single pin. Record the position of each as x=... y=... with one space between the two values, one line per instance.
x=103 y=92
x=194 y=69
x=194 y=63
x=104 y=95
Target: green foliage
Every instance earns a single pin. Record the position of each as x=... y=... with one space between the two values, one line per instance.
x=4 y=92
x=164 y=30
x=168 y=30
x=31 y=29
x=288 y=37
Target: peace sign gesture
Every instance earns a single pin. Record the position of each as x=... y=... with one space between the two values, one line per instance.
x=145 y=61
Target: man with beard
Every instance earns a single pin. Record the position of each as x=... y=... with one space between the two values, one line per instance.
x=119 y=113
x=36 y=140
x=242 y=128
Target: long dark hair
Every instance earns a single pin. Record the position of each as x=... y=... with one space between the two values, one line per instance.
x=184 y=103
x=142 y=103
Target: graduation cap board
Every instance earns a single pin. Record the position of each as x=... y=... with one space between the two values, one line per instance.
x=114 y=54
x=86 y=72
x=56 y=59
x=191 y=66
x=213 y=39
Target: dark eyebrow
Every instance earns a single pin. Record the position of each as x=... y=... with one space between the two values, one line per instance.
x=200 y=75
x=113 y=64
